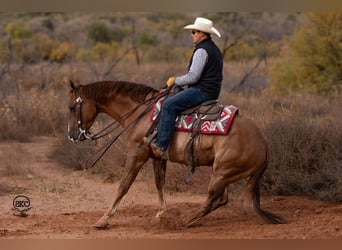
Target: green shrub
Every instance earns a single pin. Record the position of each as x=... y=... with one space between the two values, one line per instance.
x=99 y=32
x=99 y=52
x=48 y=23
x=17 y=30
x=146 y=39
x=312 y=58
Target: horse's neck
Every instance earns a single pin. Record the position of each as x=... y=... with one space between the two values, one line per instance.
x=124 y=109
x=120 y=109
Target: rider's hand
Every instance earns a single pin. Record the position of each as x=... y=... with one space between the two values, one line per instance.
x=170 y=81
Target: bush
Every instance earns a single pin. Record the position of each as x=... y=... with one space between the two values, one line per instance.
x=146 y=39
x=36 y=113
x=306 y=152
x=99 y=52
x=61 y=52
x=99 y=32
x=10 y=129
x=17 y=30
x=311 y=60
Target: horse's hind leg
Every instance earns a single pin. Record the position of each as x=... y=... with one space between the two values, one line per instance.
x=159 y=167
x=217 y=197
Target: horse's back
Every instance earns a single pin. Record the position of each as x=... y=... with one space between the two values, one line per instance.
x=244 y=141
x=245 y=144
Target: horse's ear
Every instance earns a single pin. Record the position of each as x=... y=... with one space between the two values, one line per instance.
x=72 y=85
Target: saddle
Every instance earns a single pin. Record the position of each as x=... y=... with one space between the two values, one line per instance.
x=207 y=111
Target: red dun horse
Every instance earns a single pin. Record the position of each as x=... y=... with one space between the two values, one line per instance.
x=242 y=153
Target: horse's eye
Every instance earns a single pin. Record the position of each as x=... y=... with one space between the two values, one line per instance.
x=72 y=109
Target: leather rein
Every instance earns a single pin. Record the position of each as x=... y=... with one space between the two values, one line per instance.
x=114 y=125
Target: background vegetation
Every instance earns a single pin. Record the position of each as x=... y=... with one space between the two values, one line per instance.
x=281 y=69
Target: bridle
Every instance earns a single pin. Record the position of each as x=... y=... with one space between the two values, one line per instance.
x=102 y=133
x=83 y=132
x=78 y=110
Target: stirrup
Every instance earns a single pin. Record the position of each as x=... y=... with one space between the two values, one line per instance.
x=149 y=139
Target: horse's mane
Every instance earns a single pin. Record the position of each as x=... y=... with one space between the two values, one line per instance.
x=101 y=91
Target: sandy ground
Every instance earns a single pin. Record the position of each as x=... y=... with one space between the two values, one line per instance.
x=65 y=204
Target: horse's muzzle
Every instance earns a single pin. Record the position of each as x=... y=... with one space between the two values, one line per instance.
x=76 y=135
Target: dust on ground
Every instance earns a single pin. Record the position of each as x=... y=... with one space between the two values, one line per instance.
x=65 y=204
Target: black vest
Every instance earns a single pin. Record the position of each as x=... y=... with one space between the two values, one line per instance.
x=211 y=78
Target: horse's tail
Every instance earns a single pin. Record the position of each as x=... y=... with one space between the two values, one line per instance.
x=253 y=189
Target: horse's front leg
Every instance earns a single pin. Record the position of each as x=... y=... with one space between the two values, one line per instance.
x=133 y=166
x=159 y=167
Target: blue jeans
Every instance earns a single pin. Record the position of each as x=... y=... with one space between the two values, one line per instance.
x=172 y=106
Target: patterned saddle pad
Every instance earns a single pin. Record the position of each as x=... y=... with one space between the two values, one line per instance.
x=185 y=122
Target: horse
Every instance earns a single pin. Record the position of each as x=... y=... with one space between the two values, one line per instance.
x=242 y=153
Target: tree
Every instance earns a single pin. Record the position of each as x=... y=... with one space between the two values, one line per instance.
x=312 y=57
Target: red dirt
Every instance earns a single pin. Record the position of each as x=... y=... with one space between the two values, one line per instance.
x=66 y=203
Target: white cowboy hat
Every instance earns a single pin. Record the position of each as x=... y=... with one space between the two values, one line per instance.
x=203 y=24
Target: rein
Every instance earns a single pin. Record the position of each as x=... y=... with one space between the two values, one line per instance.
x=101 y=134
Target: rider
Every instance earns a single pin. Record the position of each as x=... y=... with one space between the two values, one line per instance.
x=203 y=82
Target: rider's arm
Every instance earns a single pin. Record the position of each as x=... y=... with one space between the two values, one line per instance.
x=199 y=60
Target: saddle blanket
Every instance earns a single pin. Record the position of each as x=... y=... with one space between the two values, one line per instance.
x=185 y=122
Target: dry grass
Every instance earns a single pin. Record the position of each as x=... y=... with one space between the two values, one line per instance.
x=304 y=131
x=305 y=142
x=13 y=167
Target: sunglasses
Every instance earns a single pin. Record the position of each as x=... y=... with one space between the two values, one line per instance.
x=194 y=32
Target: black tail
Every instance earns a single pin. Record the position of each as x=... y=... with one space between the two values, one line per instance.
x=254 y=183
x=266 y=215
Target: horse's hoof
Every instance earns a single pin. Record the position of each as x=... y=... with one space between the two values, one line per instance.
x=101 y=225
x=191 y=223
x=159 y=214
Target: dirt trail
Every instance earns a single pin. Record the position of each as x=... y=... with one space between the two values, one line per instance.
x=66 y=203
